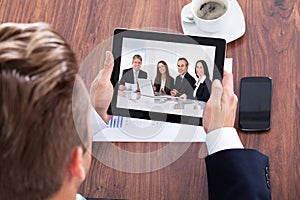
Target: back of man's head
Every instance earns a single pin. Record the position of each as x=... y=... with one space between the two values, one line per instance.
x=38 y=133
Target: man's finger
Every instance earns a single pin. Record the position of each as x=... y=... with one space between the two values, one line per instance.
x=216 y=94
x=207 y=115
x=228 y=82
x=105 y=73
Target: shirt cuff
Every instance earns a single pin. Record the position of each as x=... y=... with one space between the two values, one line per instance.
x=221 y=139
x=96 y=121
x=80 y=197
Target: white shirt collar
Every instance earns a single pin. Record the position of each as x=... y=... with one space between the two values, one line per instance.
x=202 y=79
x=182 y=76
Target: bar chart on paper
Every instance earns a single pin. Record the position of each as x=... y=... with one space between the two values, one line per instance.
x=139 y=130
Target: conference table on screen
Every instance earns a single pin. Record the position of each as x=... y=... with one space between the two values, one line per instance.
x=160 y=104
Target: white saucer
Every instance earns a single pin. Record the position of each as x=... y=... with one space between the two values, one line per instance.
x=232 y=30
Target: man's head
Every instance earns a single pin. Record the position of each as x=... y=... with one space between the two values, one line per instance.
x=43 y=113
x=136 y=62
x=182 y=66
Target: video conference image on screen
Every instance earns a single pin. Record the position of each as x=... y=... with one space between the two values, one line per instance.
x=165 y=77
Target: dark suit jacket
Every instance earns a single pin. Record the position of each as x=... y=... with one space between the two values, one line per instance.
x=168 y=86
x=203 y=91
x=186 y=86
x=128 y=76
x=240 y=174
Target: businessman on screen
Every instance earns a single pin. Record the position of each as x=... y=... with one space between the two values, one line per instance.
x=184 y=82
x=132 y=75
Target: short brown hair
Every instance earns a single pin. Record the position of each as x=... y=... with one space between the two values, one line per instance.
x=137 y=56
x=38 y=133
x=186 y=62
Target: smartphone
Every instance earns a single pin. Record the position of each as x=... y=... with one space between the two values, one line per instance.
x=255 y=104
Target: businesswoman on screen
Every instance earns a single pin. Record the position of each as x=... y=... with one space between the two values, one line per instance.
x=163 y=82
x=203 y=84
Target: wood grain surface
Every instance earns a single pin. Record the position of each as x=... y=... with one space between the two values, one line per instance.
x=270 y=47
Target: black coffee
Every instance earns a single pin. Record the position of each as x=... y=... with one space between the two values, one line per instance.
x=211 y=10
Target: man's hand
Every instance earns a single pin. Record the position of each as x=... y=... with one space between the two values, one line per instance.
x=162 y=91
x=183 y=96
x=173 y=93
x=122 y=87
x=101 y=90
x=220 y=110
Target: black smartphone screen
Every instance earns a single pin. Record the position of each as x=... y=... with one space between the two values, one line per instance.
x=255 y=104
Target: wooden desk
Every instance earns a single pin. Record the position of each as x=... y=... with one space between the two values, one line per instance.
x=270 y=47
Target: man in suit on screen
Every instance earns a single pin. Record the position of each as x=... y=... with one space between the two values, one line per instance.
x=132 y=75
x=184 y=82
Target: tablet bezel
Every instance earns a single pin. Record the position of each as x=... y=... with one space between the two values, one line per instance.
x=119 y=34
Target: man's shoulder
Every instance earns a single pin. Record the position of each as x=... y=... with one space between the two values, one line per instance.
x=127 y=70
x=143 y=72
x=189 y=77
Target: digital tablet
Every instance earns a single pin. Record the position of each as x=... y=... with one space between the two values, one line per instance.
x=165 y=63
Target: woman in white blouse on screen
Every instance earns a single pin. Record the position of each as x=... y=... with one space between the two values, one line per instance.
x=163 y=82
x=203 y=84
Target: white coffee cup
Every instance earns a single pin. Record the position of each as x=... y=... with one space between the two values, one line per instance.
x=210 y=25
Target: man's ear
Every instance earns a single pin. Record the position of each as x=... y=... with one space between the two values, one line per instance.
x=76 y=166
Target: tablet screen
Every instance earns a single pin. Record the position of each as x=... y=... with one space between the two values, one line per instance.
x=162 y=76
